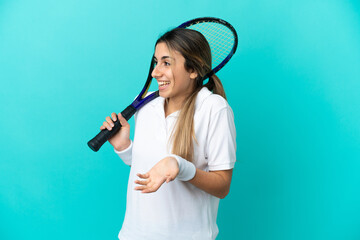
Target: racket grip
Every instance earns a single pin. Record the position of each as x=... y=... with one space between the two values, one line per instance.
x=104 y=135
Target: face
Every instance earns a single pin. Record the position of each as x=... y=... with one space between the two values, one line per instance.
x=175 y=82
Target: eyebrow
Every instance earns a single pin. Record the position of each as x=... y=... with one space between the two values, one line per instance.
x=163 y=57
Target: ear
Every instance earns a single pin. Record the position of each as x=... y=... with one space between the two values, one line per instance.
x=193 y=75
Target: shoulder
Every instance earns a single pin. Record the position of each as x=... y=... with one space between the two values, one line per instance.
x=208 y=101
x=155 y=106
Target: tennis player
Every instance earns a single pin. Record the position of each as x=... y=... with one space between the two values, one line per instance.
x=184 y=146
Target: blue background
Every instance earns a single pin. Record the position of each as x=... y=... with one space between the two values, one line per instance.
x=293 y=84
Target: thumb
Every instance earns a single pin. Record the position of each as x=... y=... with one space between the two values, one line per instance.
x=122 y=120
x=169 y=179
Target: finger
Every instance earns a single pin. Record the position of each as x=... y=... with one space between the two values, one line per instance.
x=169 y=179
x=113 y=116
x=143 y=176
x=145 y=182
x=151 y=189
x=140 y=188
x=122 y=120
x=110 y=121
x=107 y=125
x=147 y=191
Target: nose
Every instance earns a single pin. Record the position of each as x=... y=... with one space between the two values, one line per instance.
x=156 y=73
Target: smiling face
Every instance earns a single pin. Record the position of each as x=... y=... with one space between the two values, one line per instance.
x=175 y=82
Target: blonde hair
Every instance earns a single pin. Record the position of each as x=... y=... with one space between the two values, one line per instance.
x=193 y=46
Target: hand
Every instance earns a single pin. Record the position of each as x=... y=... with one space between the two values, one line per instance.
x=121 y=140
x=165 y=170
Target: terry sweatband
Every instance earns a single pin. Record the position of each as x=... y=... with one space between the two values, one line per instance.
x=187 y=169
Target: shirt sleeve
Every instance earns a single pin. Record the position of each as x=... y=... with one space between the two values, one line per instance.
x=222 y=140
x=126 y=154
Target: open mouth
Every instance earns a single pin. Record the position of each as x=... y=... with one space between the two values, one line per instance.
x=163 y=83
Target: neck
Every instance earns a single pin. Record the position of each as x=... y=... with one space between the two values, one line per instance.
x=173 y=105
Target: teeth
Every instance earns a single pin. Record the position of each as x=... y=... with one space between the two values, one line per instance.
x=163 y=83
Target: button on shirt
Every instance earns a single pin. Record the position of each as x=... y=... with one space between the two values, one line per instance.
x=177 y=210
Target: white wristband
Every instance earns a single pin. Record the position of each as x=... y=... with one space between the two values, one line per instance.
x=187 y=169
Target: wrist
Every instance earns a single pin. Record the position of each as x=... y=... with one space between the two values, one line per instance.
x=123 y=146
x=187 y=169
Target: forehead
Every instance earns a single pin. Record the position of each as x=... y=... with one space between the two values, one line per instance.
x=162 y=50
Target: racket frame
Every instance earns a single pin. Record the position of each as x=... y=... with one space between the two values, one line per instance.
x=220 y=21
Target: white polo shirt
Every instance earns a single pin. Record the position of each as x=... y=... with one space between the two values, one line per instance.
x=178 y=210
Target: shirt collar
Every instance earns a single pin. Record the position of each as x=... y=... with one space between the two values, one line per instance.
x=158 y=102
x=201 y=96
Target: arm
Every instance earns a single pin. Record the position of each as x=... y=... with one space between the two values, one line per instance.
x=216 y=183
x=121 y=140
x=221 y=152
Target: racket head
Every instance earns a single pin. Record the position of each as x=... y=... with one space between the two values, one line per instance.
x=221 y=36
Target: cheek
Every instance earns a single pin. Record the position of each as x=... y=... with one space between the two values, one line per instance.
x=181 y=77
x=169 y=74
x=184 y=83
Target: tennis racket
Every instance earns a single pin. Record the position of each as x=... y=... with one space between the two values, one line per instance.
x=223 y=41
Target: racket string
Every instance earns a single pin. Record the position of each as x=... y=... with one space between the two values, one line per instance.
x=220 y=38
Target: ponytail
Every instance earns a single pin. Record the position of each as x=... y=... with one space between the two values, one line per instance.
x=214 y=84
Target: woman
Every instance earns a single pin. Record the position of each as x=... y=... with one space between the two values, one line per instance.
x=184 y=146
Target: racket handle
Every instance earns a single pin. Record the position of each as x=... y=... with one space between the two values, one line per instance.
x=104 y=135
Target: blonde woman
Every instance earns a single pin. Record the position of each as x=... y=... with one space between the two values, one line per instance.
x=183 y=150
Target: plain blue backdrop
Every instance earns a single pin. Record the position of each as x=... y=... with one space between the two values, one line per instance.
x=293 y=84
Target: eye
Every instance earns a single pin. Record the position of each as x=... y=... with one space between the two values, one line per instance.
x=167 y=63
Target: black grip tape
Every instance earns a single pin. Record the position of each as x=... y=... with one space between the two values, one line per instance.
x=96 y=143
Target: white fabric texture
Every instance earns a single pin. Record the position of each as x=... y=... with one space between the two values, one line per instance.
x=178 y=210
x=187 y=169
x=125 y=154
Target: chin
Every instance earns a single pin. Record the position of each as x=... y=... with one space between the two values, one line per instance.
x=164 y=94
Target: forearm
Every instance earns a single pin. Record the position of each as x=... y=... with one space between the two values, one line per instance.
x=216 y=183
